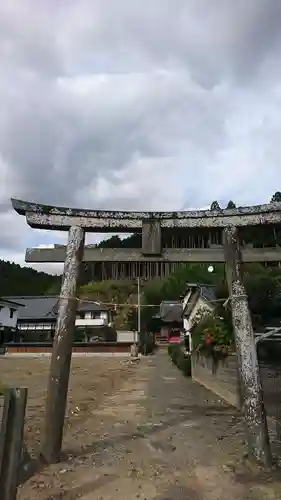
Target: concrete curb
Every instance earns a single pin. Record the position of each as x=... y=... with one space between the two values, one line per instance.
x=74 y=355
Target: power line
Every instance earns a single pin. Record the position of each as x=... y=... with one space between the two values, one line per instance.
x=123 y=304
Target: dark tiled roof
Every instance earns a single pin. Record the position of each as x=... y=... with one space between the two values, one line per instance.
x=37 y=307
x=46 y=307
x=91 y=306
x=11 y=302
x=208 y=292
x=171 y=311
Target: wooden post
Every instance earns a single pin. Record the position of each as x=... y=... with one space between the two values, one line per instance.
x=12 y=441
x=151 y=237
x=62 y=349
x=253 y=407
x=230 y=264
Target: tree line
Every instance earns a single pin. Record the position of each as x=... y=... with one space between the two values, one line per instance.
x=215 y=204
x=263 y=286
x=17 y=280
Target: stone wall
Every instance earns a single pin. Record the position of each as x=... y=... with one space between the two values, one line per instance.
x=219 y=377
x=221 y=380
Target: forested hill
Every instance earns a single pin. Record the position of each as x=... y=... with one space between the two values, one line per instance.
x=17 y=280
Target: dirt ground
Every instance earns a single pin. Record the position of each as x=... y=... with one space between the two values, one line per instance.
x=139 y=431
x=92 y=379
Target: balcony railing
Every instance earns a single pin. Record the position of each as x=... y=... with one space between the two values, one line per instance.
x=91 y=322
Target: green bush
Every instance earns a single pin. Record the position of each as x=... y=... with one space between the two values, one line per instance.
x=147 y=343
x=179 y=359
x=173 y=352
x=184 y=364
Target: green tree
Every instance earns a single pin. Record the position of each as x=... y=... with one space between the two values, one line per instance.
x=263 y=289
x=231 y=204
x=19 y=281
x=112 y=242
x=54 y=289
x=264 y=298
x=215 y=206
x=173 y=288
x=276 y=197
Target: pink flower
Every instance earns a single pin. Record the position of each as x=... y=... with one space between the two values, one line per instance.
x=209 y=339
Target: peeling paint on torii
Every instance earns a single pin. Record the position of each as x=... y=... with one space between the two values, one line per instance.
x=248 y=376
x=59 y=218
x=23 y=207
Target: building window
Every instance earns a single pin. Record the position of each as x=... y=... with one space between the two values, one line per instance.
x=97 y=315
x=12 y=313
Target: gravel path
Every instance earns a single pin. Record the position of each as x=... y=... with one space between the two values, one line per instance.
x=158 y=436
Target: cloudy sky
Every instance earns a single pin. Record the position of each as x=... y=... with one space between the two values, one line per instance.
x=143 y=104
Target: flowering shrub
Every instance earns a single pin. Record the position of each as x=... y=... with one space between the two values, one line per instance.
x=208 y=339
x=213 y=335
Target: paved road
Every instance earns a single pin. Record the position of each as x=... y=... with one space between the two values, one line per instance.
x=160 y=437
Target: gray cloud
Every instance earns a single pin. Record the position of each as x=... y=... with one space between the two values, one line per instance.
x=210 y=38
x=133 y=105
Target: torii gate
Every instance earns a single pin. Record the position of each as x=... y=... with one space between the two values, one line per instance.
x=198 y=232
x=152 y=224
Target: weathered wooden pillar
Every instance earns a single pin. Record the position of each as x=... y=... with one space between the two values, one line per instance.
x=232 y=260
x=151 y=237
x=62 y=349
x=253 y=407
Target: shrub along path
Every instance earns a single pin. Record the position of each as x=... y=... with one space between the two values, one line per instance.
x=182 y=362
x=159 y=436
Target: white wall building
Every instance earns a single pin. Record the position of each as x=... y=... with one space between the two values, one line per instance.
x=127 y=336
x=198 y=301
x=9 y=311
x=84 y=317
x=90 y=318
x=40 y=315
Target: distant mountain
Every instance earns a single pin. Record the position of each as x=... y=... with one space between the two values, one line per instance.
x=17 y=280
x=132 y=241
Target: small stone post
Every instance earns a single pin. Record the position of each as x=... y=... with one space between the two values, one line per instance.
x=12 y=441
x=62 y=349
x=253 y=407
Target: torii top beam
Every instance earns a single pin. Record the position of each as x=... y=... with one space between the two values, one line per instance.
x=62 y=218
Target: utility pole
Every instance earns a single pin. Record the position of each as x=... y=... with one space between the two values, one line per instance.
x=248 y=367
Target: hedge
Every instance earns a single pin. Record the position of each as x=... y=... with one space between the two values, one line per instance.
x=179 y=359
x=147 y=343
